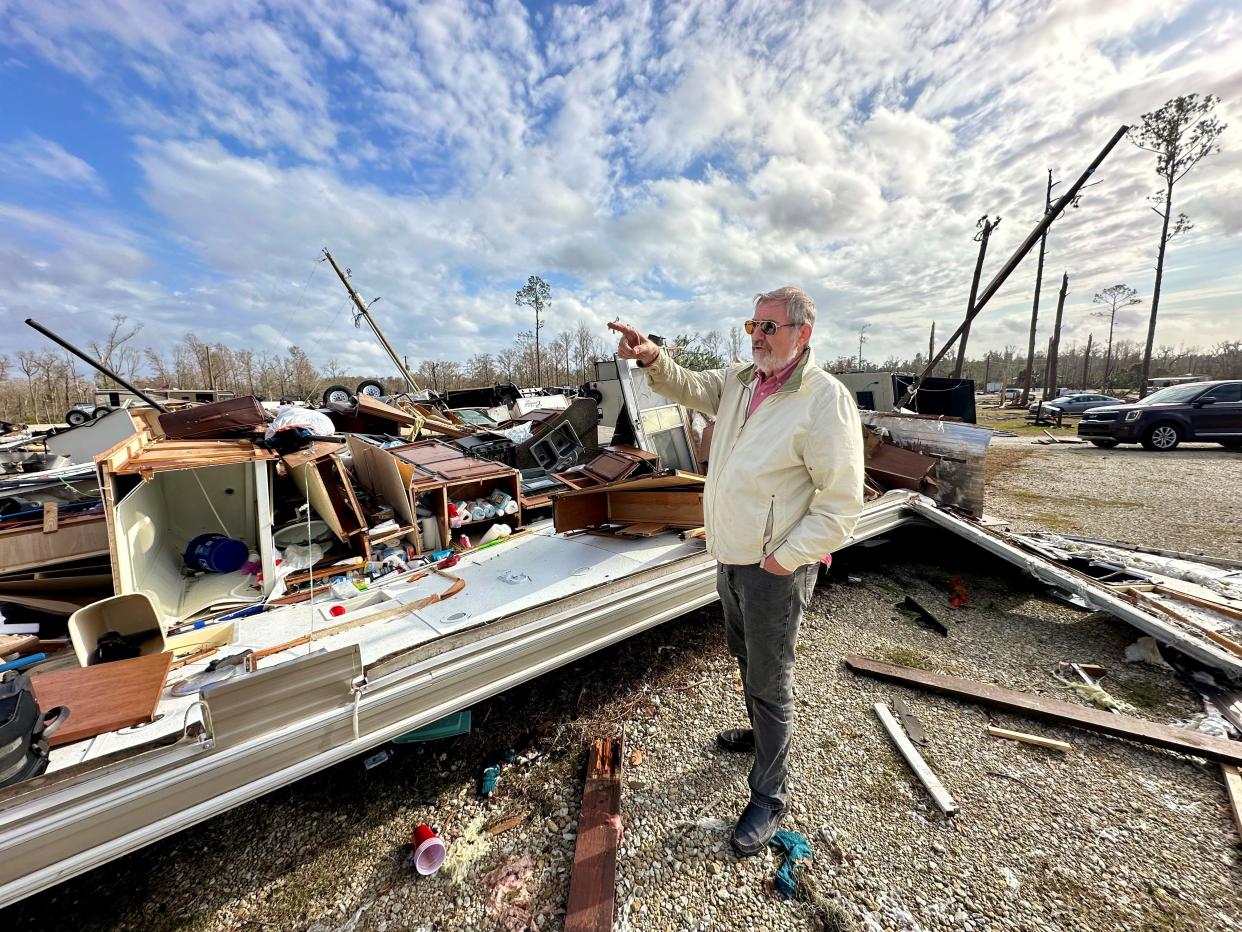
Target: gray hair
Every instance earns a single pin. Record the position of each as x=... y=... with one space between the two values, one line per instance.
x=798 y=303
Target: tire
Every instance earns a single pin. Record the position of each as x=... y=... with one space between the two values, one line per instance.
x=1230 y=444
x=336 y=394
x=100 y=412
x=1162 y=437
x=1106 y=444
x=372 y=388
x=77 y=417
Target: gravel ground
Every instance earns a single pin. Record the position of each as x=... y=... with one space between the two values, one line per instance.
x=1189 y=499
x=1109 y=836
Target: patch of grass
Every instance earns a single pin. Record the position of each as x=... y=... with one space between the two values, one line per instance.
x=1056 y=521
x=1147 y=695
x=905 y=657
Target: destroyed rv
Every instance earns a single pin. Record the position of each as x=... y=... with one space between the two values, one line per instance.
x=206 y=602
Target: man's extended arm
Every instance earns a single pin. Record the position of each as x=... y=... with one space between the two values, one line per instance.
x=698 y=390
x=834 y=458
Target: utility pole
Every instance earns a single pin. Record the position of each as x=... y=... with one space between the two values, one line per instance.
x=1055 y=349
x=1069 y=197
x=861 y=340
x=987 y=369
x=1086 y=363
x=365 y=314
x=931 y=342
x=1039 y=277
x=985 y=231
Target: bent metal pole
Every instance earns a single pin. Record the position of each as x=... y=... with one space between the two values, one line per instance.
x=365 y=314
x=91 y=361
x=1012 y=263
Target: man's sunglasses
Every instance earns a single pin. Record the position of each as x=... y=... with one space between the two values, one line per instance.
x=767 y=327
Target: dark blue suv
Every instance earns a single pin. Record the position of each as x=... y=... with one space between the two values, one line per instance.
x=1209 y=411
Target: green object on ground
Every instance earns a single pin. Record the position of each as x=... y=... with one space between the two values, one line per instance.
x=456 y=724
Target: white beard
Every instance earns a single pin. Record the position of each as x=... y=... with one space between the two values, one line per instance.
x=768 y=364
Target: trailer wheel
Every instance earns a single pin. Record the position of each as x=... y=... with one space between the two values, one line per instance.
x=371 y=387
x=336 y=394
x=100 y=412
x=77 y=417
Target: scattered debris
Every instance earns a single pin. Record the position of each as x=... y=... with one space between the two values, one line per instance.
x=592 y=886
x=1119 y=726
x=911 y=607
x=1052 y=743
x=940 y=796
x=509 y=895
x=798 y=854
x=471 y=845
x=914 y=728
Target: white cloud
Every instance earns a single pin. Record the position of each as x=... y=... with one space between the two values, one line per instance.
x=32 y=154
x=664 y=161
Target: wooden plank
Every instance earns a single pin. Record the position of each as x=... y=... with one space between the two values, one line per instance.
x=373 y=407
x=1233 y=788
x=51 y=517
x=1143 y=600
x=940 y=796
x=103 y=697
x=592 y=886
x=643 y=530
x=16 y=643
x=1227 y=610
x=1022 y=736
x=1118 y=726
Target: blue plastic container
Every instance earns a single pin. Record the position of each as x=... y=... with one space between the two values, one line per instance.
x=216 y=553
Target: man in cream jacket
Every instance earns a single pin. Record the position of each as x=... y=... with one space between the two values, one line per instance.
x=784 y=488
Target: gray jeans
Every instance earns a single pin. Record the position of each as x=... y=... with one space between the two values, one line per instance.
x=762 y=612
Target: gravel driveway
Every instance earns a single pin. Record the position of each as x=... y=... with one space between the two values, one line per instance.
x=1109 y=836
x=1189 y=499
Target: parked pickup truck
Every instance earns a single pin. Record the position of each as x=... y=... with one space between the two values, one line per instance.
x=1210 y=411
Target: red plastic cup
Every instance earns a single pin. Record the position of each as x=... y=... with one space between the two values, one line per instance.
x=429 y=850
x=336 y=611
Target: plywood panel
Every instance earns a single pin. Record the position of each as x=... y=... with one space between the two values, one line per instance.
x=104 y=697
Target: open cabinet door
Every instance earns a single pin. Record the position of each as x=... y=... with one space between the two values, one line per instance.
x=328 y=489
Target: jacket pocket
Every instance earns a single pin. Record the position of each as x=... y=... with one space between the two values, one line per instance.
x=770 y=527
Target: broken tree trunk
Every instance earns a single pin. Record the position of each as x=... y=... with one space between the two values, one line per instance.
x=592 y=886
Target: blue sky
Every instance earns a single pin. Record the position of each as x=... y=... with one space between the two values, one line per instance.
x=183 y=163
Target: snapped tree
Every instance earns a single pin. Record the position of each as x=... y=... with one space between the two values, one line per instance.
x=537 y=296
x=1114 y=298
x=1181 y=134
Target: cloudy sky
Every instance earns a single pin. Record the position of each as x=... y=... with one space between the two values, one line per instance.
x=184 y=163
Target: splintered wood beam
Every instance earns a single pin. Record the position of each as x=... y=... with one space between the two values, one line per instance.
x=1233 y=788
x=592 y=887
x=940 y=796
x=1221 y=750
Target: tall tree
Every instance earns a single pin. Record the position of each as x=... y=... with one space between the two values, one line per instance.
x=862 y=338
x=1113 y=298
x=537 y=296
x=1054 y=347
x=1181 y=134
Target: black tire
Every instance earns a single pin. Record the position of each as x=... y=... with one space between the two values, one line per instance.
x=1162 y=437
x=1230 y=444
x=336 y=394
x=371 y=387
x=1106 y=444
x=77 y=417
x=100 y=412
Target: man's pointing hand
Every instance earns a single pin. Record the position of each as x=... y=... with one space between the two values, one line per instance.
x=633 y=345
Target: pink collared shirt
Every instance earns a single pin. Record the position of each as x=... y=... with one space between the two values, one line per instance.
x=770 y=385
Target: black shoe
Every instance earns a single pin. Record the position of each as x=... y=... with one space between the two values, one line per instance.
x=736 y=739
x=754 y=829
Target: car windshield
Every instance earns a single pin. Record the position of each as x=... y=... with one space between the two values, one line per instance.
x=1173 y=394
